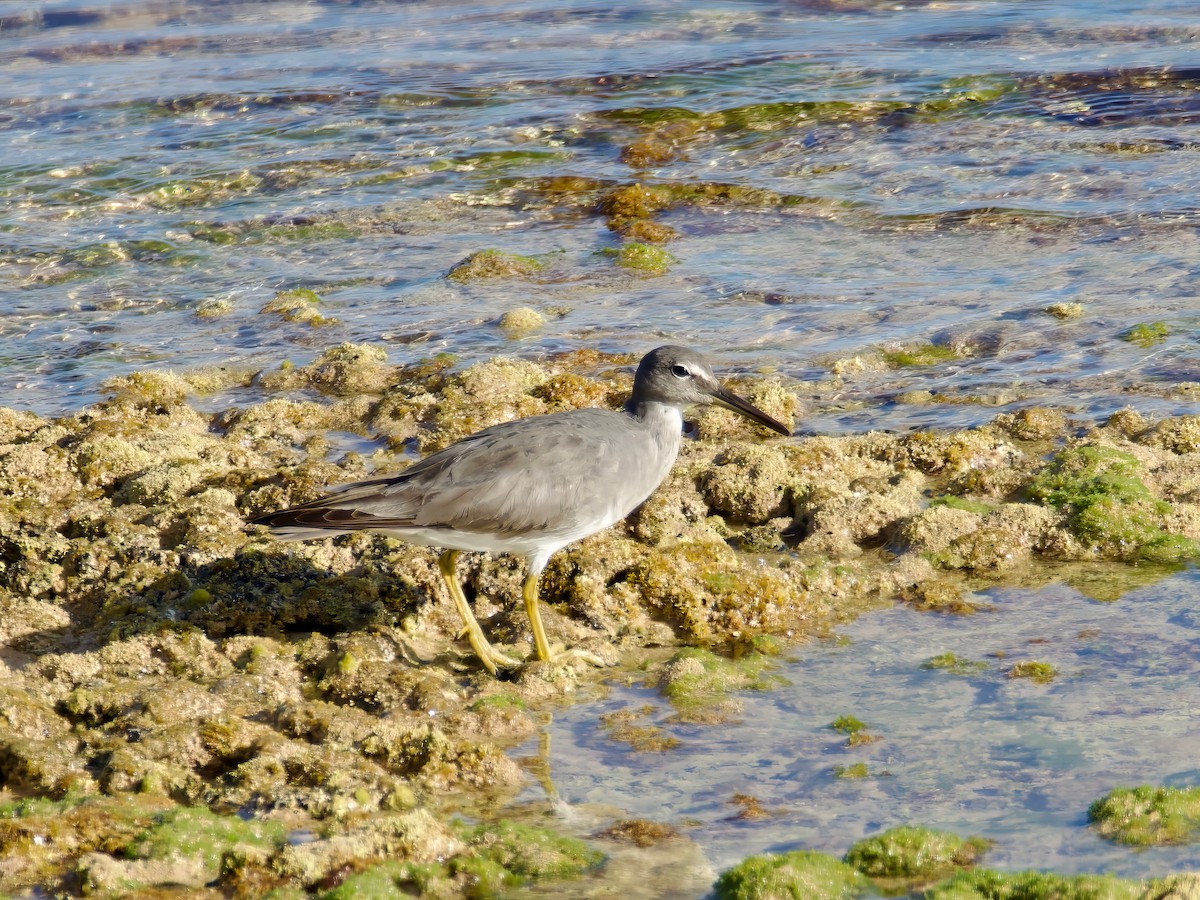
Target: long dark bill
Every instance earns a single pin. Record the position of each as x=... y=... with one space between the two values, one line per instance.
x=732 y=401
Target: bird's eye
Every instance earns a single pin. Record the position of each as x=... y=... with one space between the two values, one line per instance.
x=680 y=372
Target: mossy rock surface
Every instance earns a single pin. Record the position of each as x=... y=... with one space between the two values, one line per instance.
x=695 y=679
x=1110 y=508
x=986 y=884
x=912 y=852
x=799 y=875
x=199 y=833
x=486 y=264
x=528 y=851
x=1146 y=815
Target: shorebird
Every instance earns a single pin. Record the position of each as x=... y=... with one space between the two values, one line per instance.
x=528 y=487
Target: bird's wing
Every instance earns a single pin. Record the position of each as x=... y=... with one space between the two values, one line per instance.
x=546 y=474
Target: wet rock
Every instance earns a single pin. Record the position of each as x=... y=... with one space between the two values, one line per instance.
x=1147 y=815
x=913 y=852
x=801 y=873
x=521 y=321
x=494 y=264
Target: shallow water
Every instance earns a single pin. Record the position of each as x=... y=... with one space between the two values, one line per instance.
x=991 y=158
x=1007 y=759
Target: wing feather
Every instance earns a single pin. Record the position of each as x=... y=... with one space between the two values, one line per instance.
x=546 y=474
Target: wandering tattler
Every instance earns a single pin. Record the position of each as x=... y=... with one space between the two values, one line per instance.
x=528 y=487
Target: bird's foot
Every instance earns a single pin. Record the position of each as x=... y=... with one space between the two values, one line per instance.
x=493 y=660
x=558 y=654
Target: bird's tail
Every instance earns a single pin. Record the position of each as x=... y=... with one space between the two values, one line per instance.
x=296 y=525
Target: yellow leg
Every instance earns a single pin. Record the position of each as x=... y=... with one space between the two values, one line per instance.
x=535 y=617
x=488 y=655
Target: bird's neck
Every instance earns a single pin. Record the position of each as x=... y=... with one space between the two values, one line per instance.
x=664 y=422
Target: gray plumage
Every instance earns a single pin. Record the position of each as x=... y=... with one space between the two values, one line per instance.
x=531 y=486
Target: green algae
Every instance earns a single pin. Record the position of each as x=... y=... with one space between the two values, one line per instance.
x=912 y=852
x=1146 y=334
x=502 y=700
x=985 y=884
x=953 y=501
x=855 y=730
x=185 y=192
x=799 y=875
x=954 y=664
x=485 y=264
x=298 y=305
x=200 y=833
x=641 y=258
x=851 y=771
x=788 y=114
x=530 y=852
x=499 y=857
x=696 y=680
x=1110 y=509
x=1147 y=816
x=1036 y=671
x=847 y=725
x=920 y=355
x=393 y=879
x=967 y=90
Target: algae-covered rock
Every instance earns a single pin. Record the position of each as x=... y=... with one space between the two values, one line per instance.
x=1111 y=511
x=1147 y=815
x=913 y=852
x=344 y=370
x=521 y=321
x=799 y=875
x=635 y=728
x=1146 y=334
x=697 y=682
x=1179 y=435
x=349 y=369
x=919 y=355
x=1035 y=670
x=203 y=836
x=531 y=852
x=1065 y=310
x=1036 y=423
x=646 y=258
x=749 y=483
x=415 y=837
x=985 y=884
x=494 y=264
x=298 y=305
x=485 y=394
x=709 y=592
x=496 y=860
x=1174 y=887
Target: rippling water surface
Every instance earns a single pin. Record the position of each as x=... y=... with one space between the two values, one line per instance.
x=979 y=753
x=863 y=175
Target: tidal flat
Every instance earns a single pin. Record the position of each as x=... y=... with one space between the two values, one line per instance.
x=308 y=710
